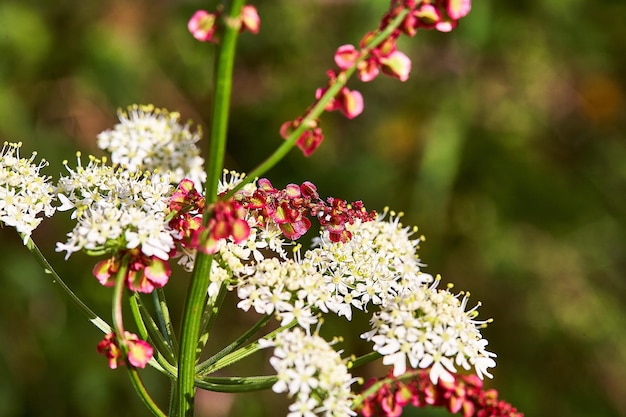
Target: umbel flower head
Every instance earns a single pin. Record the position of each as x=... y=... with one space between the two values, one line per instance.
x=309 y=369
x=149 y=139
x=24 y=192
x=429 y=328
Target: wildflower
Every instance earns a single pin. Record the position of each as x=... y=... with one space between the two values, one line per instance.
x=378 y=262
x=250 y=20
x=290 y=208
x=203 y=25
x=397 y=65
x=144 y=274
x=309 y=369
x=309 y=140
x=24 y=192
x=227 y=221
x=429 y=328
x=116 y=210
x=463 y=394
x=150 y=139
x=139 y=351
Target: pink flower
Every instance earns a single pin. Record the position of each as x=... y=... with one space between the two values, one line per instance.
x=144 y=274
x=345 y=56
x=250 y=20
x=309 y=140
x=139 y=351
x=202 y=26
x=396 y=64
x=349 y=102
x=458 y=8
x=227 y=221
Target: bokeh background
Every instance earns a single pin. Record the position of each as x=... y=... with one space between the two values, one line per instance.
x=507 y=147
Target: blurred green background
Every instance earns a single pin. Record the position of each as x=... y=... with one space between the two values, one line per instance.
x=507 y=147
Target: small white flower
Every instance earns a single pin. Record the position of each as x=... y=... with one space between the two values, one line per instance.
x=309 y=369
x=149 y=139
x=24 y=192
x=116 y=209
x=430 y=328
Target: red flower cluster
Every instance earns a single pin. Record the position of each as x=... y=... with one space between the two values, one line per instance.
x=227 y=219
x=139 y=351
x=290 y=210
x=144 y=274
x=464 y=395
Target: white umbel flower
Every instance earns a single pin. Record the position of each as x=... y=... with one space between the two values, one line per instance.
x=429 y=327
x=116 y=209
x=379 y=262
x=148 y=139
x=24 y=192
x=309 y=369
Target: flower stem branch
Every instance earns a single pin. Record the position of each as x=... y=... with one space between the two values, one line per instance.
x=318 y=108
x=233 y=346
x=56 y=279
x=196 y=295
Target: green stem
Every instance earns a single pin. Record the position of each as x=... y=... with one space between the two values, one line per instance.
x=56 y=279
x=362 y=360
x=194 y=304
x=237 y=384
x=233 y=346
x=318 y=108
x=165 y=321
x=243 y=352
x=148 y=328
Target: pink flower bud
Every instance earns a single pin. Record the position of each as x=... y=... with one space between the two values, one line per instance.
x=458 y=8
x=202 y=26
x=345 y=56
x=397 y=65
x=250 y=20
x=351 y=103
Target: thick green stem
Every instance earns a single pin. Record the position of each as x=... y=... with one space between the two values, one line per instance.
x=194 y=304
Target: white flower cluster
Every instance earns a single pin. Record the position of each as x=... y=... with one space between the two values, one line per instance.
x=429 y=327
x=148 y=139
x=311 y=370
x=116 y=209
x=285 y=288
x=379 y=261
x=24 y=193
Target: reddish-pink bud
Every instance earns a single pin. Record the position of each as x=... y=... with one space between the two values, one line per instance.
x=397 y=65
x=250 y=20
x=458 y=8
x=202 y=25
x=309 y=141
x=351 y=103
x=368 y=70
x=345 y=56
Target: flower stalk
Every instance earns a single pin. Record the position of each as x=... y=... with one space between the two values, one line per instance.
x=197 y=293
